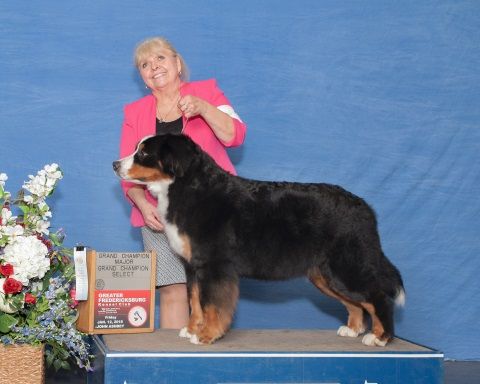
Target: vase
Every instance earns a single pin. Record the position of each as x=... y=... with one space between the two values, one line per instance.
x=22 y=364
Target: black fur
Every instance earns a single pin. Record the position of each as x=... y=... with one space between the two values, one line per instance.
x=272 y=230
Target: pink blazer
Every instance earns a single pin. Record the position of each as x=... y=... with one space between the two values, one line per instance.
x=140 y=121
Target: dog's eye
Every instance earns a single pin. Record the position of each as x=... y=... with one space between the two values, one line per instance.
x=141 y=155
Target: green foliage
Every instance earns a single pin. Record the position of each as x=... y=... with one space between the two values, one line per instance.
x=43 y=312
x=7 y=322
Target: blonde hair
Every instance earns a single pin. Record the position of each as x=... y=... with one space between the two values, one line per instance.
x=148 y=46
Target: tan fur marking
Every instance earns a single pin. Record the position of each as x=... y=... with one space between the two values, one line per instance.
x=355 y=317
x=355 y=311
x=196 y=315
x=377 y=327
x=146 y=174
x=217 y=319
x=321 y=283
x=187 y=247
x=213 y=329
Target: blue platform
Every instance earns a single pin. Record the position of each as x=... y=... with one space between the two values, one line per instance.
x=262 y=356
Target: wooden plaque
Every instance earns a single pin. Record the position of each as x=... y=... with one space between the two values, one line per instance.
x=121 y=293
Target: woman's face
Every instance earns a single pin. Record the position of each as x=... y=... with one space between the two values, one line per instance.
x=159 y=69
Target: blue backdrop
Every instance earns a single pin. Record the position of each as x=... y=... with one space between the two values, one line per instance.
x=380 y=97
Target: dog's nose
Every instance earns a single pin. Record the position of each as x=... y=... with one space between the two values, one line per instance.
x=116 y=165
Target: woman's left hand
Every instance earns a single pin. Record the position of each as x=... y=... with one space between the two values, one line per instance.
x=219 y=122
x=192 y=106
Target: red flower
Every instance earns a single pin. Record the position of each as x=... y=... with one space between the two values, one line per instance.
x=73 y=292
x=6 y=270
x=12 y=286
x=30 y=299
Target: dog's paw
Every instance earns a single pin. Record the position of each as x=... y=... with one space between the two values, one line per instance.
x=184 y=333
x=371 y=340
x=345 y=331
x=195 y=340
x=203 y=338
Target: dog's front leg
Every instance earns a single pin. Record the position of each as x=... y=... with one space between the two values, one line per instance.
x=196 y=320
x=218 y=300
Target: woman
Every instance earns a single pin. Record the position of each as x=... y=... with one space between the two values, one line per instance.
x=196 y=109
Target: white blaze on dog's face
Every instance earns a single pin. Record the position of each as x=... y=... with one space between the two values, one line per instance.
x=145 y=166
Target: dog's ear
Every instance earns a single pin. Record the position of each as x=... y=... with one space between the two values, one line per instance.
x=177 y=154
x=171 y=165
x=173 y=158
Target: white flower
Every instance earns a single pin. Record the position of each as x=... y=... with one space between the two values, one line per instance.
x=53 y=171
x=35 y=186
x=6 y=215
x=42 y=226
x=51 y=167
x=44 y=210
x=3 y=179
x=12 y=231
x=28 y=199
x=27 y=255
x=44 y=182
x=8 y=228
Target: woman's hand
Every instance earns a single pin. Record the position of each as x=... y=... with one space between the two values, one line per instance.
x=220 y=123
x=149 y=211
x=151 y=216
x=192 y=106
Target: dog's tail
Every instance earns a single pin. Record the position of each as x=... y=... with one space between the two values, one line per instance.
x=394 y=283
x=400 y=297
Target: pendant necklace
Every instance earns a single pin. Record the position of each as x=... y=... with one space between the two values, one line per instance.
x=162 y=119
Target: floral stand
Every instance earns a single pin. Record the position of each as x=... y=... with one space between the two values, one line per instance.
x=37 y=277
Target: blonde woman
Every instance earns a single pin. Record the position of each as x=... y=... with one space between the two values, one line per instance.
x=197 y=109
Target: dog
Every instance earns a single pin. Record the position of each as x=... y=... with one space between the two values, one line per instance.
x=226 y=227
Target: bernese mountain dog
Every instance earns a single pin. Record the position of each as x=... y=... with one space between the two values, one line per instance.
x=226 y=227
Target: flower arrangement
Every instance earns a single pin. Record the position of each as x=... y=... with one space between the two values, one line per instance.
x=37 y=298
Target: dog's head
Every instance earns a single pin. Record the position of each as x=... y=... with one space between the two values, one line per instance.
x=157 y=158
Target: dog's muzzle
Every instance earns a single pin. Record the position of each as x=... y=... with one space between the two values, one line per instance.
x=122 y=166
x=116 y=166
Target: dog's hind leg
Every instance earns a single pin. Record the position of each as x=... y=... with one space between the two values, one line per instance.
x=355 y=325
x=380 y=309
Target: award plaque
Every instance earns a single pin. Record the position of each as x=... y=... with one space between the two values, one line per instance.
x=119 y=288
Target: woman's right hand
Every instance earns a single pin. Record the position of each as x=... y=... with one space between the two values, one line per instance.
x=148 y=210
x=151 y=216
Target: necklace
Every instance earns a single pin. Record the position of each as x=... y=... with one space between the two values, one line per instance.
x=164 y=118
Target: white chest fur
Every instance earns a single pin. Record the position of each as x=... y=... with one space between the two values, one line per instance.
x=160 y=191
